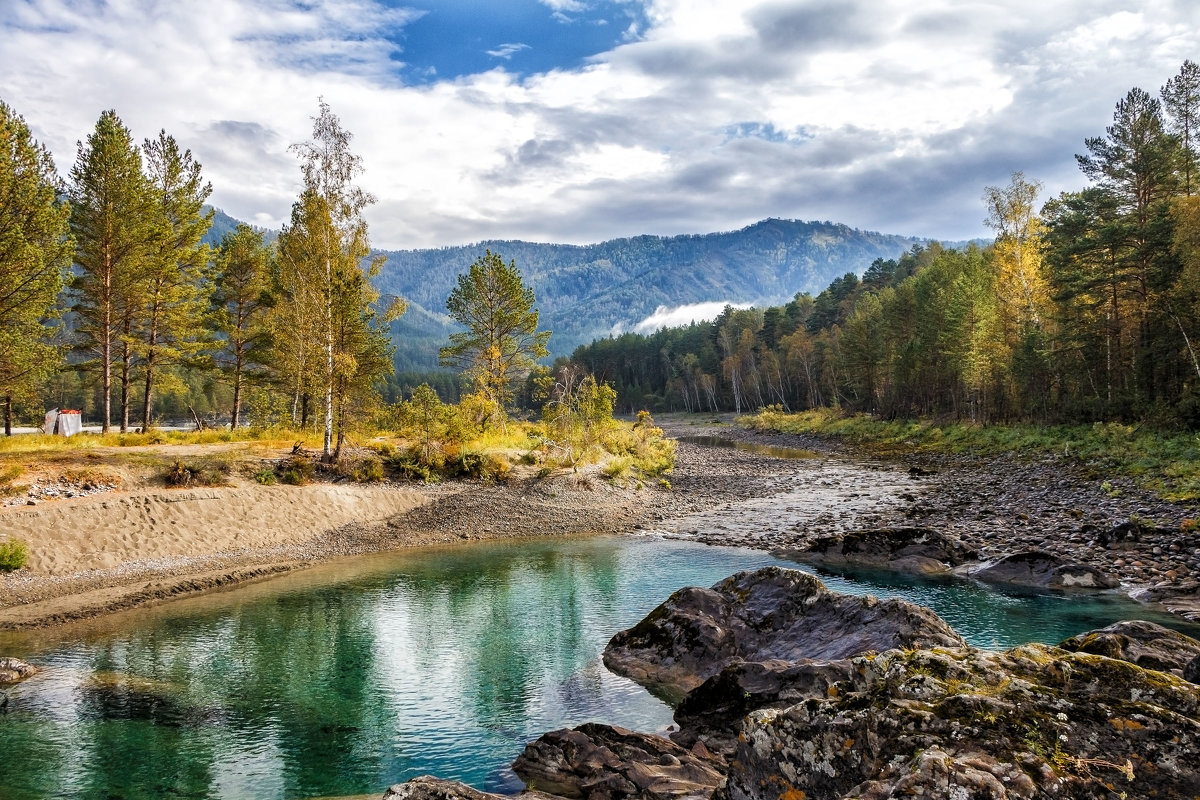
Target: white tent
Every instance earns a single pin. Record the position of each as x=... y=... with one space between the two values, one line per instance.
x=65 y=423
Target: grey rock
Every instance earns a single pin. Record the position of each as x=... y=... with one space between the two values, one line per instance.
x=603 y=762
x=1146 y=644
x=1045 y=570
x=920 y=550
x=14 y=669
x=768 y=614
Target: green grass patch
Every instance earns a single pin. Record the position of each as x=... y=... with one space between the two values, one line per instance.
x=1167 y=464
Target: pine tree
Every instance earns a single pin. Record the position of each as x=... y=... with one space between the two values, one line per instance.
x=171 y=317
x=35 y=252
x=241 y=300
x=111 y=215
x=501 y=342
x=1181 y=99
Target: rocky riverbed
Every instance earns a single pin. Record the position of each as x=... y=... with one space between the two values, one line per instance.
x=993 y=507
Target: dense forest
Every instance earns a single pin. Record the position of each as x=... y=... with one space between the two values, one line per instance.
x=1084 y=308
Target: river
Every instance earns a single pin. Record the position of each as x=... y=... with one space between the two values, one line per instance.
x=343 y=679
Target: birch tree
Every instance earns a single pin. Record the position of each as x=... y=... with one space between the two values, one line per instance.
x=330 y=236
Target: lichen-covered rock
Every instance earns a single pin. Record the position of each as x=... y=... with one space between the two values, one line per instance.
x=771 y=613
x=919 y=550
x=1031 y=722
x=1045 y=571
x=427 y=787
x=712 y=713
x=14 y=669
x=603 y=762
x=1139 y=642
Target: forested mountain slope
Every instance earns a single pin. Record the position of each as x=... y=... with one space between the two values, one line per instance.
x=592 y=290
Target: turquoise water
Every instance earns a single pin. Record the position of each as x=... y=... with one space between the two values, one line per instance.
x=344 y=679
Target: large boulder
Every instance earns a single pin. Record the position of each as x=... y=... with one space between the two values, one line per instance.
x=1045 y=571
x=920 y=550
x=603 y=762
x=771 y=613
x=14 y=669
x=1146 y=644
x=1031 y=722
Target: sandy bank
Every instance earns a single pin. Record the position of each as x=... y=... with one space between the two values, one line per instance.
x=107 y=531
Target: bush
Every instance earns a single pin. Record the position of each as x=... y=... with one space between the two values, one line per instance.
x=297 y=471
x=180 y=474
x=13 y=555
x=265 y=476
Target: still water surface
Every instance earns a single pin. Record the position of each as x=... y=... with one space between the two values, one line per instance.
x=344 y=679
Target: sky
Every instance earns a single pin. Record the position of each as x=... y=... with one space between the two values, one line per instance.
x=578 y=121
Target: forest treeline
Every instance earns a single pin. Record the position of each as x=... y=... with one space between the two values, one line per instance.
x=1084 y=308
x=112 y=303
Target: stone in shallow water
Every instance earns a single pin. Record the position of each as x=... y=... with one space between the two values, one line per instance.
x=919 y=550
x=1046 y=571
x=14 y=669
x=771 y=613
x=1146 y=644
x=427 y=787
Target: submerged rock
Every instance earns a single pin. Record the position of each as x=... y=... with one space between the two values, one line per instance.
x=603 y=762
x=771 y=613
x=1146 y=644
x=14 y=669
x=1045 y=571
x=920 y=550
x=1032 y=722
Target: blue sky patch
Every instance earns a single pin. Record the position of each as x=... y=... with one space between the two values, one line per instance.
x=454 y=38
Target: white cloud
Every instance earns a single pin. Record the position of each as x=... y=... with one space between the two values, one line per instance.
x=888 y=115
x=664 y=317
x=507 y=50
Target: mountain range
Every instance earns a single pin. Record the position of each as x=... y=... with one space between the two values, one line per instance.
x=587 y=291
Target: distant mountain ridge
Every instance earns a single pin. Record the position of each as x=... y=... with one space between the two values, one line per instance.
x=588 y=291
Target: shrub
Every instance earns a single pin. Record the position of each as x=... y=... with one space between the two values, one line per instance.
x=13 y=555
x=297 y=471
x=265 y=476
x=180 y=474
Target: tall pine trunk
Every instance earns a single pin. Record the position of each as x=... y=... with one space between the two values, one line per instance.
x=235 y=417
x=8 y=415
x=126 y=378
